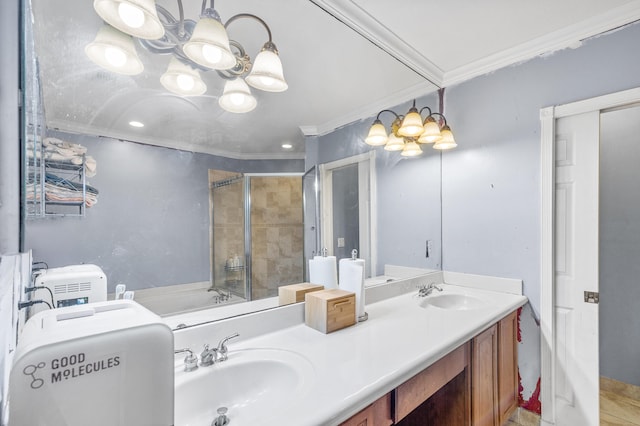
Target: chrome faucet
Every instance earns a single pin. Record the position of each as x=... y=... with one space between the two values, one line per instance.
x=208 y=356
x=425 y=290
x=222 y=347
x=190 y=361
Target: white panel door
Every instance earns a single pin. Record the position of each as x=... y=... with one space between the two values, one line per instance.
x=576 y=269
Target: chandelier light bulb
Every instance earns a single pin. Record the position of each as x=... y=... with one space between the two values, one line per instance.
x=138 y=18
x=185 y=82
x=113 y=50
x=182 y=79
x=412 y=124
x=447 y=141
x=395 y=143
x=237 y=97
x=115 y=56
x=377 y=134
x=411 y=149
x=266 y=73
x=212 y=54
x=431 y=131
x=209 y=45
x=131 y=15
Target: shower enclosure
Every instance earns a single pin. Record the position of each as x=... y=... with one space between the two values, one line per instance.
x=256 y=234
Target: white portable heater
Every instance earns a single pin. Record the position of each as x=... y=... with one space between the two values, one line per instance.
x=71 y=285
x=103 y=364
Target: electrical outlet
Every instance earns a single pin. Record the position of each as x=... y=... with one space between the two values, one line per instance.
x=340 y=242
x=429 y=248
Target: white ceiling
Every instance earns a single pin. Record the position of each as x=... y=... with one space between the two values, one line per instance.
x=344 y=60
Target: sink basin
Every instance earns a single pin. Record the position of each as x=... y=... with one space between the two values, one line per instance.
x=251 y=384
x=458 y=302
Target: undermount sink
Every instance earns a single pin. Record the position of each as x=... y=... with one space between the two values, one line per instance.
x=251 y=384
x=453 y=301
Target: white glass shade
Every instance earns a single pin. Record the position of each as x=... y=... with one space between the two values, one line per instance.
x=114 y=51
x=431 y=132
x=209 y=45
x=447 y=141
x=237 y=97
x=182 y=80
x=377 y=134
x=395 y=143
x=411 y=149
x=411 y=124
x=138 y=18
x=266 y=73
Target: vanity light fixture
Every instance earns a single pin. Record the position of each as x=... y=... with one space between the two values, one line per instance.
x=409 y=131
x=194 y=46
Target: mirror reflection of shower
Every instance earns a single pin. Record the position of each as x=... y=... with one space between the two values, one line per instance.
x=256 y=234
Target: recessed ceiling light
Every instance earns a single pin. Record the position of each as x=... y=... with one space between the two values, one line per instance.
x=136 y=124
x=287 y=146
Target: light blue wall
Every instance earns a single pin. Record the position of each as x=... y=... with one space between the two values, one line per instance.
x=408 y=191
x=491 y=183
x=150 y=227
x=620 y=245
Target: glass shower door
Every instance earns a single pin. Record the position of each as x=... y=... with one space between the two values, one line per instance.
x=228 y=239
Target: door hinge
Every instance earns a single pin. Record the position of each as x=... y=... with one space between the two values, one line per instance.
x=592 y=297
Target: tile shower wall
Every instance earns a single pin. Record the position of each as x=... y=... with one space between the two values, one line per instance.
x=276 y=234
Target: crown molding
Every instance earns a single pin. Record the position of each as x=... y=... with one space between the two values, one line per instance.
x=561 y=39
x=309 y=130
x=359 y=20
x=370 y=109
x=64 y=126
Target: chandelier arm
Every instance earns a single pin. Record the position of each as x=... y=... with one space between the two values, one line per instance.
x=248 y=15
x=169 y=19
x=387 y=110
x=427 y=108
x=181 y=22
x=443 y=117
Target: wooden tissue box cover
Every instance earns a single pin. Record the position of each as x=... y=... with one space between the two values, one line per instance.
x=294 y=293
x=330 y=310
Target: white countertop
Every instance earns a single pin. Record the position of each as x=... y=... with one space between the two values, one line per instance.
x=357 y=365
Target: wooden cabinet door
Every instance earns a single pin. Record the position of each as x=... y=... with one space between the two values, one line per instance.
x=484 y=374
x=376 y=414
x=507 y=366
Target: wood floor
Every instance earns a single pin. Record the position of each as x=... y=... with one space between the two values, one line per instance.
x=619 y=403
x=619 y=406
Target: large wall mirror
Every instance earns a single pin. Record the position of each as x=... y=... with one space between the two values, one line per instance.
x=170 y=201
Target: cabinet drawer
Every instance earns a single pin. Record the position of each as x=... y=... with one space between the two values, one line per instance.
x=415 y=391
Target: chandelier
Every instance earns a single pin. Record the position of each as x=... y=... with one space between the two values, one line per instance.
x=409 y=131
x=194 y=46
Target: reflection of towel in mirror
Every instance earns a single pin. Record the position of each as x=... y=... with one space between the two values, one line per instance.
x=57 y=150
x=60 y=189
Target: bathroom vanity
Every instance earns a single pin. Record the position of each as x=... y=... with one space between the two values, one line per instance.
x=476 y=383
x=447 y=358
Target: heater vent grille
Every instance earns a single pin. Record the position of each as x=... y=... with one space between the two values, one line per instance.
x=71 y=288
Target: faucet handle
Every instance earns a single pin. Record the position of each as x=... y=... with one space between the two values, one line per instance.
x=190 y=361
x=222 y=346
